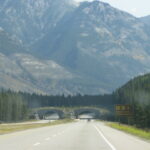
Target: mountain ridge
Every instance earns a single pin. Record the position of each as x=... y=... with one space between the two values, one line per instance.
x=93 y=48
x=146 y=19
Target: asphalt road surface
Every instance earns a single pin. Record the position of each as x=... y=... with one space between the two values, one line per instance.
x=81 y=135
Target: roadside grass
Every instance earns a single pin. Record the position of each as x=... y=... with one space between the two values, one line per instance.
x=131 y=129
x=9 y=128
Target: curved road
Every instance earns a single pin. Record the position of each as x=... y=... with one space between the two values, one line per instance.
x=80 y=135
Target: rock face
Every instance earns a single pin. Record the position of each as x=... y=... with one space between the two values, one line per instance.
x=29 y=20
x=63 y=47
x=146 y=20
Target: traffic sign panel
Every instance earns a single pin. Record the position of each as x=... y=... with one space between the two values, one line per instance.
x=123 y=110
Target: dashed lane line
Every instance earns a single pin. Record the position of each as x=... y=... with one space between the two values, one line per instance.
x=36 y=144
x=47 y=139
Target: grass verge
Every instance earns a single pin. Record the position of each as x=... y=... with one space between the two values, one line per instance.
x=132 y=130
x=4 y=129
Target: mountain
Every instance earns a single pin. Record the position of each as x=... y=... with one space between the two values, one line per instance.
x=24 y=72
x=21 y=71
x=99 y=42
x=87 y=48
x=29 y=20
x=8 y=45
x=146 y=20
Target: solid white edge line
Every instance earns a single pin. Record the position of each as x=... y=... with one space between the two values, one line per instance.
x=102 y=135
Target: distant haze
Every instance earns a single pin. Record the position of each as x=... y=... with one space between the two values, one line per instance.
x=137 y=8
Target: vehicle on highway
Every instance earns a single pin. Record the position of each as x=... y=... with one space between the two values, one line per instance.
x=89 y=119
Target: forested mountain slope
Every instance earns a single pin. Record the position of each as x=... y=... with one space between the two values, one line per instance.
x=136 y=90
x=137 y=94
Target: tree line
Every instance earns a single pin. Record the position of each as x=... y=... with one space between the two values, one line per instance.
x=12 y=107
x=15 y=106
x=136 y=93
x=34 y=100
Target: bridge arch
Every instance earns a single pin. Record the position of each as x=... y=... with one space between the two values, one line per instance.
x=43 y=114
x=94 y=113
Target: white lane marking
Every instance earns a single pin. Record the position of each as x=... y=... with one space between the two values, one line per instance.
x=47 y=139
x=102 y=135
x=36 y=144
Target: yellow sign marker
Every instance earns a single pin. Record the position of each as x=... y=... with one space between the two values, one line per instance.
x=123 y=110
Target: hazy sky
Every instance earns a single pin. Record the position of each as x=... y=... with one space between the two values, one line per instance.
x=136 y=7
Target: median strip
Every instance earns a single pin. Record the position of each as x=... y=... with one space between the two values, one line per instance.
x=9 y=128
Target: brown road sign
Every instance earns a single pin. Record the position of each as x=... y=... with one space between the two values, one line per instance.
x=123 y=110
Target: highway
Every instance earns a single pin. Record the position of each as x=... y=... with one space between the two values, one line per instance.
x=81 y=135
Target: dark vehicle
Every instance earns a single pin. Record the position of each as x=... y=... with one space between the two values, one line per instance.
x=89 y=120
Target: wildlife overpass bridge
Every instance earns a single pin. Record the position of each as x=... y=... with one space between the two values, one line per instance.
x=81 y=113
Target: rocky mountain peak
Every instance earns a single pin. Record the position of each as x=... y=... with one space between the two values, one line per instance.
x=28 y=20
x=89 y=48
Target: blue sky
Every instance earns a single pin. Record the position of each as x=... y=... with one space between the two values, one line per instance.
x=138 y=8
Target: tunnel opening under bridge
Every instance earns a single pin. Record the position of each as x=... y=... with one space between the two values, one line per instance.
x=52 y=114
x=87 y=114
